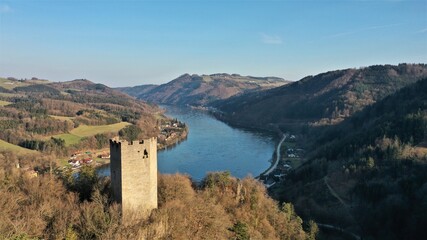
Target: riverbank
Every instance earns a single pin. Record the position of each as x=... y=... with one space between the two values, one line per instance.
x=270 y=128
x=174 y=141
x=288 y=156
x=275 y=162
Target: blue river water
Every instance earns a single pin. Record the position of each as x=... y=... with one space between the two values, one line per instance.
x=212 y=145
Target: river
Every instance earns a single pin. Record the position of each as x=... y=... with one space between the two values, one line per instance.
x=212 y=145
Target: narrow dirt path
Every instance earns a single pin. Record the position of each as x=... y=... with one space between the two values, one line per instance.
x=335 y=194
x=347 y=208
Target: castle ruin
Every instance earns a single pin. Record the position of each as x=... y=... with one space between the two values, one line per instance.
x=133 y=171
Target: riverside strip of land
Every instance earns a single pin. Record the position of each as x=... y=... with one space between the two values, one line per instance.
x=273 y=167
x=287 y=157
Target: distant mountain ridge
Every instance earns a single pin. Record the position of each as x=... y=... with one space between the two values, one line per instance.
x=137 y=90
x=199 y=90
x=324 y=99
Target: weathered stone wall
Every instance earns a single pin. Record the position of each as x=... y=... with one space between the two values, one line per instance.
x=116 y=169
x=134 y=175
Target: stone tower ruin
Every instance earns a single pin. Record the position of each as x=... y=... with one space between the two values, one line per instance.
x=133 y=171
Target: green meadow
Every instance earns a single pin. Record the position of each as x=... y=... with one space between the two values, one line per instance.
x=76 y=135
x=16 y=149
x=70 y=139
x=86 y=131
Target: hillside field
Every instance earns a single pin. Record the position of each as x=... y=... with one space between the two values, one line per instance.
x=10 y=84
x=14 y=148
x=4 y=103
x=63 y=118
x=82 y=131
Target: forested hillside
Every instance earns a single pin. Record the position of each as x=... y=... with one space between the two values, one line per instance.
x=368 y=173
x=39 y=199
x=42 y=115
x=199 y=90
x=324 y=99
x=65 y=207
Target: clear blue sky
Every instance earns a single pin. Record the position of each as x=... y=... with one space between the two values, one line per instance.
x=131 y=42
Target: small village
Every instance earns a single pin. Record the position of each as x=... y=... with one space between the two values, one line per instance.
x=79 y=159
x=172 y=132
x=291 y=156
